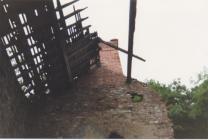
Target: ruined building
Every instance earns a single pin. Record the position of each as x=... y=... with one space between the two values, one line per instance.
x=43 y=54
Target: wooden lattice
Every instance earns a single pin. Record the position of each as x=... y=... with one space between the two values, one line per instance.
x=45 y=53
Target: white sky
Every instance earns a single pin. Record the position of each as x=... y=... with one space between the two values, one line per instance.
x=172 y=35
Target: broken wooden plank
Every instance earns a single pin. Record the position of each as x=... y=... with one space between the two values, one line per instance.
x=74 y=13
x=66 y=5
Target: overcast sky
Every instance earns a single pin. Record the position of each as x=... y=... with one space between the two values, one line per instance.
x=172 y=35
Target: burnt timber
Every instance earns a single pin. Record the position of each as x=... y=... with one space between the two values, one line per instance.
x=45 y=52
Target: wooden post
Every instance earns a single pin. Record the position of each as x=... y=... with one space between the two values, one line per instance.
x=132 y=17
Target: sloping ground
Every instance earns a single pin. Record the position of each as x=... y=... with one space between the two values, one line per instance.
x=99 y=106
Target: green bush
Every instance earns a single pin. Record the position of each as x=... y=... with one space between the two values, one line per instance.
x=186 y=107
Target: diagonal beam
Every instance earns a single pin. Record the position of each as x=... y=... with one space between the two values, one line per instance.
x=120 y=49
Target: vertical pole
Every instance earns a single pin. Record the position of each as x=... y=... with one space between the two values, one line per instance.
x=132 y=17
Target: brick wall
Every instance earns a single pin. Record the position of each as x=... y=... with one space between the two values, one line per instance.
x=109 y=73
x=147 y=119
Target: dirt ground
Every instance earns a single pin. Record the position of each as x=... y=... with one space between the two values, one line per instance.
x=99 y=106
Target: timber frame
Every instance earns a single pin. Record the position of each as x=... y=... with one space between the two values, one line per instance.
x=45 y=52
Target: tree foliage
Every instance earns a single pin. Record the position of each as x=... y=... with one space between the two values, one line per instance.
x=186 y=107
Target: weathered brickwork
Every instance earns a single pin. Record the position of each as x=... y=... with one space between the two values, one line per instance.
x=96 y=106
x=149 y=117
x=110 y=71
x=99 y=104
